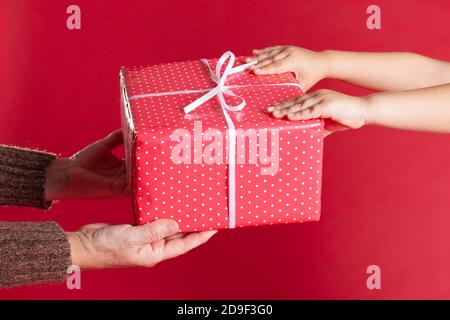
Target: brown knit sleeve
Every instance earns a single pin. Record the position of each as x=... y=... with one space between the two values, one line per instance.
x=32 y=252
x=22 y=177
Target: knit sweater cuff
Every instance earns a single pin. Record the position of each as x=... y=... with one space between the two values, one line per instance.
x=32 y=252
x=22 y=177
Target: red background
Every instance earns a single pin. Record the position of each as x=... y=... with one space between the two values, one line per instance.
x=385 y=192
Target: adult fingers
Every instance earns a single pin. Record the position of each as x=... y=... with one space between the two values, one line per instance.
x=93 y=226
x=113 y=140
x=154 y=231
x=176 y=236
x=178 y=246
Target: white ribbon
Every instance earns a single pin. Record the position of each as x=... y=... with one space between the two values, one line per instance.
x=220 y=91
x=220 y=80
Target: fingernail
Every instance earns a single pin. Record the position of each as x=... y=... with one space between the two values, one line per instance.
x=278 y=114
x=270 y=109
x=171 y=227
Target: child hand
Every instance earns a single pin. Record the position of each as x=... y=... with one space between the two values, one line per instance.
x=340 y=111
x=308 y=66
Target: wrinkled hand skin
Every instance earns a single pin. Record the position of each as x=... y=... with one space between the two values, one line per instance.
x=94 y=172
x=99 y=246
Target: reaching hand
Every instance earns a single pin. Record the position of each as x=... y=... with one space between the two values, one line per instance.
x=340 y=111
x=308 y=66
x=99 y=246
x=93 y=172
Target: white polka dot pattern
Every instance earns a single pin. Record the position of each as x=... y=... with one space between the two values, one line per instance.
x=196 y=194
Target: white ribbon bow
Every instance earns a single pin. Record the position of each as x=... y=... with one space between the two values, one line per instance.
x=220 y=79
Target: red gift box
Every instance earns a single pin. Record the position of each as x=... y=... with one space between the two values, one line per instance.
x=201 y=148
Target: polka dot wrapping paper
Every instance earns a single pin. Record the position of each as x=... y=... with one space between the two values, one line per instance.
x=179 y=164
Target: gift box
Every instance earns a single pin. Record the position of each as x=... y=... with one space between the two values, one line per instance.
x=202 y=149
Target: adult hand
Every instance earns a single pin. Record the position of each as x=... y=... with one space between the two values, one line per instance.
x=98 y=246
x=93 y=172
x=308 y=66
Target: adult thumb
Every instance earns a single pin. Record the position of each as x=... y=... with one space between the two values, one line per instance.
x=156 y=230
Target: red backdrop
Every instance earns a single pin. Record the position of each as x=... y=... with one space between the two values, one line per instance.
x=385 y=192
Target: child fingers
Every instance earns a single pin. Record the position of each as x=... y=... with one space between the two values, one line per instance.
x=270 y=68
x=265 y=58
x=269 y=57
x=313 y=112
x=275 y=56
x=302 y=105
x=290 y=102
x=259 y=51
x=264 y=55
x=282 y=105
x=275 y=64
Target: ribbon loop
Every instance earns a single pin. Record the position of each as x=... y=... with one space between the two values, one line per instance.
x=220 y=79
